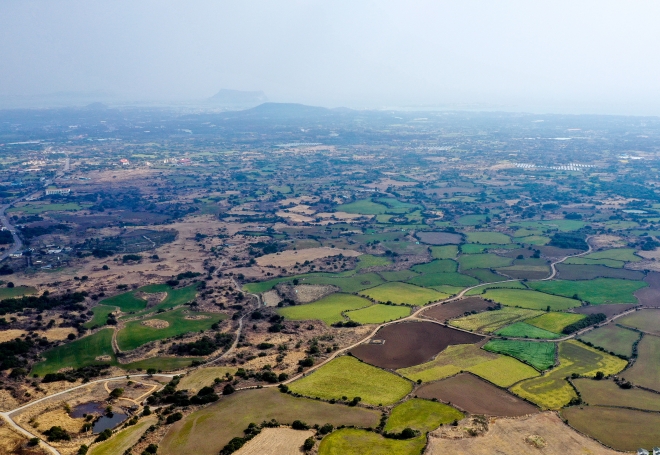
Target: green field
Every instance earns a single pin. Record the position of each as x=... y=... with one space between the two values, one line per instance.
x=207 y=430
x=524 y=330
x=539 y=355
x=441 y=279
x=471 y=220
x=347 y=376
x=490 y=321
x=368 y=260
x=444 y=252
x=560 y=225
x=555 y=322
x=18 y=291
x=645 y=371
x=403 y=293
x=488 y=237
x=500 y=370
x=437 y=266
x=101 y=313
x=124 y=439
x=482 y=261
x=34 y=209
x=508 y=285
x=486 y=275
x=329 y=309
x=476 y=248
x=399 y=275
x=202 y=377
x=530 y=299
x=78 y=353
x=644 y=320
x=363 y=207
x=126 y=302
x=348 y=284
x=135 y=334
x=604 y=262
x=612 y=338
x=352 y=441
x=534 y=240
x=607 y=393
x=552 y=391
x=420 y=415
x=597 y=291
x=376 y=314
x=618 y=254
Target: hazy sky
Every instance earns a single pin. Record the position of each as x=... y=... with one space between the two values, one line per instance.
x=552 y=56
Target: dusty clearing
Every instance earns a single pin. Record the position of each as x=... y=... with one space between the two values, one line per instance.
x=606 y=241
x=156 y=323
x=276 y=441
x=542 y=433
x=271 y=298
x=8 y=335
x=289 y=258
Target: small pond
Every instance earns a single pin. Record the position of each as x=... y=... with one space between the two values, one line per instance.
x=106 y=421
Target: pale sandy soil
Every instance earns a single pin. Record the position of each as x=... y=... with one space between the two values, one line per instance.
x=295 y=217
x=606 y=241
x=8 y=335
x=644 y=265
x=271 y=298
x=276 y=441
x=298 y=200
x=343 y=215
x=302 y=209
x=310 y=292
x=290 y=257
x=156 y=323
x=655 y=254
x=542 y=433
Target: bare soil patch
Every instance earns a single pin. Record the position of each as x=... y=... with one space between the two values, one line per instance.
x=410 y=343
x=276 y=441
x=57 y=333
x=606 y=241
x=589 y=272
x=289 y=258
x=196 y=318
x=439 y=238
x=271 y=298
x=305 y=293
x=476 y=396
x=542 y=433
x=650 y=296
x=609 y=310
x=156 y=323
x=457 y=308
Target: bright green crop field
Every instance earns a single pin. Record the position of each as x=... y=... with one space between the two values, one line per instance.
x=524 y=330
x=444 y=252
x=403 y=293
x=352 y=441
x=421 y=415
x=539 y=355
x=597 y=291
x=530 y=299
x=554 y=322
x=437 y=266
x=329 y=309
x=376 y=314
x=440 y=279
x=483 y=261
x=490 y=321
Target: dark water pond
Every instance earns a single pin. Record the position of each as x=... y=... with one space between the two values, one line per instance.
x=106 y=421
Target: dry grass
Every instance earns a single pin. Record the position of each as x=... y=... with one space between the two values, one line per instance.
x=8 y=335
x=276 y=441
x=289 y=258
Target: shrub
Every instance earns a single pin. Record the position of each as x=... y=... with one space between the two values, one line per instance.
x=57 y=433
x=174 y=417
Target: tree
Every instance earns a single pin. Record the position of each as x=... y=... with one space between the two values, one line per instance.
x=228 y=389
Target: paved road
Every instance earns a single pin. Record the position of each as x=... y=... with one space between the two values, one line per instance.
x=18 y=243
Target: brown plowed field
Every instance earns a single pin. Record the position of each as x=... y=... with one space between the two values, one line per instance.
x=457 y=308
x=542 y=433
x=589 y=272
x=439 y=238
x=476 y=396
x=410 y=343
x=276 y=441
x=650 y=296
x=608 y=310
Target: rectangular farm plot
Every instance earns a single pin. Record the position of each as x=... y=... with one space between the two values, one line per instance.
x=555 y=322
x=611 y=263
x=503 y=371
x=645 y=372
x=613 y=339
x=488 y=237
x=530 y=299
x=379 y=313
x=353 y=441
x=507 y=285
x=490 y=321
x=444 y=252
x=608 y=393
x=476 y=396
x=552 y=391
x=329 y=309
x=403 y=293
x=618 y=254
x=597 y=291
x=456 y=308
x=347 y=376
x=442 y=279
x=644 y=320
x=483 y=261
x=437 y=266
x=539 y=355
x=524 y=330
x=164 y=325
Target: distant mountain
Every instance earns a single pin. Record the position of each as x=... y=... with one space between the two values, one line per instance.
x=238 y=98
x=287 y=110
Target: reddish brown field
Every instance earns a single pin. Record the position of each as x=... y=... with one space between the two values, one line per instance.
x=650 y=296
x=554 y=252
x=476 y=396
x=608 y=310
x=439 y=238
x=410 y=343
x=589 y=272
x=457 y=308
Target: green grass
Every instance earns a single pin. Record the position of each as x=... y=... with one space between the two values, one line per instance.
x=645 y=372
x=33 y=209
x=78 y=353
x=503 y=371
x=135 y=334
x=539 y=355
x=618 y=254
x=645 y=320
x=126 y=302
x=440 y=279
x=486 y=275
x=444 y=252
x=508 y=285
x=346 y=283
x=437 y=266
x=363 y=207
x=534 y=240
x=488 y=237
x=560 y=225
x=376 y=314
x=420 y=415
x=530 y=299
x=552 y=391
x=554 y=322
x=524 y=330
x=606 y=262
x=329 y=309
x=399 y=275
x=526 y=232
x=597 y=291
x=101 y=313
x=347 y=376
x=471 y=220
x=124 y=439
x=490 y=321
x=18 y=291
x=448 y=289
x=352 y=441
x=607 y=393
x=403 y=293
x=368 y=260
x=612 y=338
x=482 y=261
